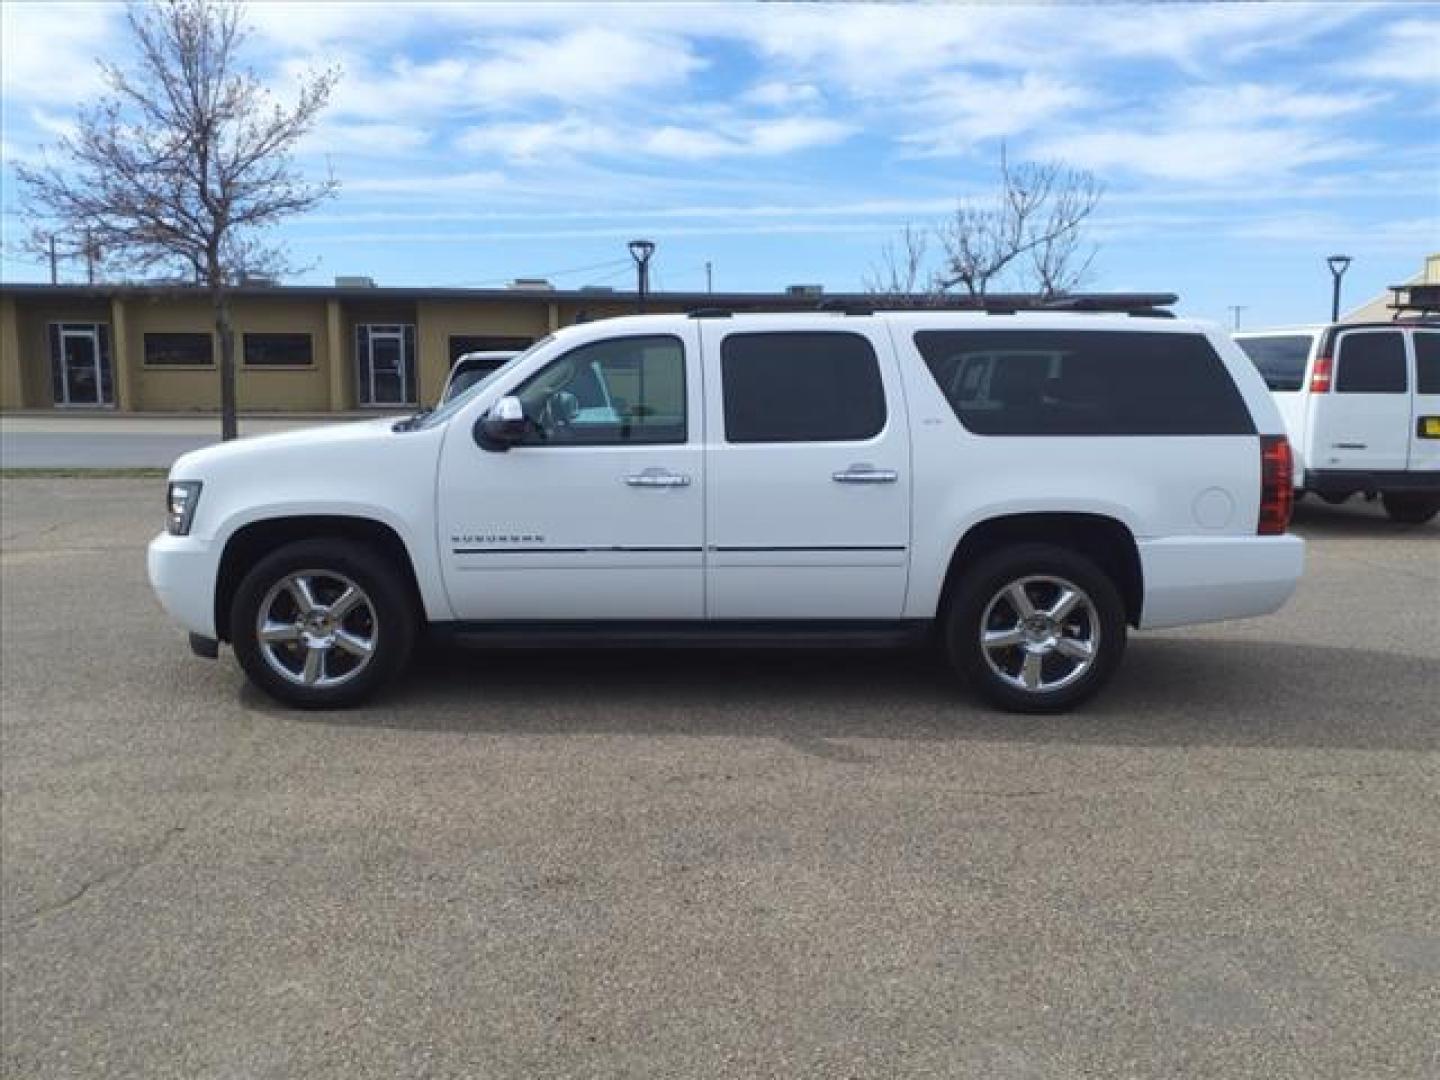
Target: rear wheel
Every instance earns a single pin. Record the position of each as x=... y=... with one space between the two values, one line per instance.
x=1036 y=629
x=1411 y=508
x=322 y=623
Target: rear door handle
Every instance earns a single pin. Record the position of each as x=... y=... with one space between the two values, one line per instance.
x=865 y=473
x=657 y=478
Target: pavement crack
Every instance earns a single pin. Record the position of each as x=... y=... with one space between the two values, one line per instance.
x=117 y=875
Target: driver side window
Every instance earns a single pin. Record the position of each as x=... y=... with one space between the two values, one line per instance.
x=614 y=392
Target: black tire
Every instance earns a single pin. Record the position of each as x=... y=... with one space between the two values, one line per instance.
x=391 y=621
x=1409 y=507
x=1103 y=619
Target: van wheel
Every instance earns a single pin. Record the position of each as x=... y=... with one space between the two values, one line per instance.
x=322 y=623
x=1411 y=508
x=1036 y=628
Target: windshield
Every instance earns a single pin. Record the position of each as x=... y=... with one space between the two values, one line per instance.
x=458 y=402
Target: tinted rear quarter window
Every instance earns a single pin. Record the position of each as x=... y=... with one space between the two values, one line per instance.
x=1371 y=363
x=1427 y=362
x=1091 y=382
x=1280 y=360
x=801 y=387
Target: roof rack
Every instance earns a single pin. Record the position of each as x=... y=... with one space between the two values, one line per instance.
x=1422 y=300
x=1150 y=305
x=1138 y=305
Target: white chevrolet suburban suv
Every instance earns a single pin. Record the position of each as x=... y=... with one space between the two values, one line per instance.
x=1361 y=404
x=1019 y=487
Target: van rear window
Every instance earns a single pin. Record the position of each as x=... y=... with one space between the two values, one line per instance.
x=1280 y=360
x=1091 y=382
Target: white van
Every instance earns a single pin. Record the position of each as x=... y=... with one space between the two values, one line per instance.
x=1361 y=404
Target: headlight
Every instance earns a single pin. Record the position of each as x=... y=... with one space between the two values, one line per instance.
x=180 y=502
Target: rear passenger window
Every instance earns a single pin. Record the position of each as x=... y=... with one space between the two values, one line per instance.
x=1427 y=363
x=1371 y=363
x=1093 y=382
x=801 y=387
x=1280 y=360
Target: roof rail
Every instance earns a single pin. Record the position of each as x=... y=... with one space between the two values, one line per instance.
x=710 y=313
x=846 y=307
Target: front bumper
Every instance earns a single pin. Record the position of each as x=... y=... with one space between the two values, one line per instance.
x=1194 y=579
x=182 y=572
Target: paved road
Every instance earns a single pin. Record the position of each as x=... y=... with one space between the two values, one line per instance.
x=78 y=441
x=717 y=864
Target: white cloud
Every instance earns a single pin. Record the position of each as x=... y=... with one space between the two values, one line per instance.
x=467 y=183
x=1407 y=52
x=529 y=142
x=589 y=65
x=745 y=138
x=363 y=139
x=48 y=52
x=1251 y=102
x=959 y=110
x=782 y=95
x=726 y=136
x=1204 y=154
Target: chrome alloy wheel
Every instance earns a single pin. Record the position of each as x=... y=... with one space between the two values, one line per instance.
x=1040 y=633
x=317 y=628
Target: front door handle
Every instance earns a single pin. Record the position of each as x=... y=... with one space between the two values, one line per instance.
x=865 y=473
x=657 y=478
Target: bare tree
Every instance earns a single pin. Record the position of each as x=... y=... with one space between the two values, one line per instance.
x=1031 y=232
x=185 y=163
x=900 y=273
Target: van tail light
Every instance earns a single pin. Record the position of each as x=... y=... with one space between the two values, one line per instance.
x=1277 y=485
x=1321 y=375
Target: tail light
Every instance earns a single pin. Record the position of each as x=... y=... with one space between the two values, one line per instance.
x=1277 y=485
x=1321 y=375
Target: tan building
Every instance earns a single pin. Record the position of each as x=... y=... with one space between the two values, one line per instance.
x=151 y=348
x=1380 y=308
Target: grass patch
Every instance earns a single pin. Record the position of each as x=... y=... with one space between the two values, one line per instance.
x=77 y=473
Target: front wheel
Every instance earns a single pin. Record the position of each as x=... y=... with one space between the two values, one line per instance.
x=1036 y=629
x=322 y=623
x=1411 y=508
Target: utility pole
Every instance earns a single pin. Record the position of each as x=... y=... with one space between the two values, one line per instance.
x=709 y=277
x=640 y=251
x=1235 y=310
x=1338 y=265
x=89 y=257
x=54 y=271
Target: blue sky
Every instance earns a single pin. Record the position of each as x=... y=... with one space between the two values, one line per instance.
x=1239 y=144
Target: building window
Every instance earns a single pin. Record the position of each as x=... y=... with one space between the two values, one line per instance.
x=278 y=350
x=179 y=350
x=460 y=344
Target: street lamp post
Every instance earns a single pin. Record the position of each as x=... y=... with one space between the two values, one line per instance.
x=640 y=251
x=1338 y=265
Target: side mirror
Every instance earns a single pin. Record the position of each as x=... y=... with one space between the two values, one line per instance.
x=502 y=426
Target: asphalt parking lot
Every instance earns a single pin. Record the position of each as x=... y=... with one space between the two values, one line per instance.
x=622 y=864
